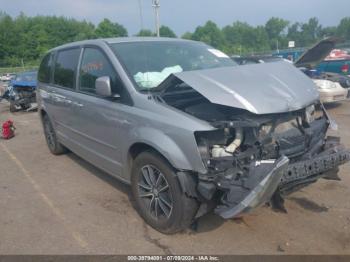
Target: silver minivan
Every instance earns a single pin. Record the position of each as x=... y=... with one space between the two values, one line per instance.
x=189 y=130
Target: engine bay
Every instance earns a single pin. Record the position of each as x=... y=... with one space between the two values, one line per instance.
x=288 y=149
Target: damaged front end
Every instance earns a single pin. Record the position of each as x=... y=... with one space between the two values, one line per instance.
x=258 y=152
x=256 y=160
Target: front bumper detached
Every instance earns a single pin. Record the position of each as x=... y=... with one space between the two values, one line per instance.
x=264 y=178
x=267 y=177
x=323 y=165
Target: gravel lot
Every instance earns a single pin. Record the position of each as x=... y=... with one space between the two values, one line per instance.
x=63 y=205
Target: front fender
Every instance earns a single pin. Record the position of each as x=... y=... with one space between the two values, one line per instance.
x=163 y=144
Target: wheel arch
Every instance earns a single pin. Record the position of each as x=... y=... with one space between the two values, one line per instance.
x=139 y=147
x=154 y=139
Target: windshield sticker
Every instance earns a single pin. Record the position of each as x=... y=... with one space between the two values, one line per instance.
x=218 y=53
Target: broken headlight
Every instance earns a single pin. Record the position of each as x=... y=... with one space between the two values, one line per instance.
x=203 y=139
x=218 y=143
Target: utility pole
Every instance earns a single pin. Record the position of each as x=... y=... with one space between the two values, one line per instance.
x=156 y=6
x=141 y=14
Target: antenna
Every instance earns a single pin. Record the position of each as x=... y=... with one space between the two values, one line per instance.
x=156 y=6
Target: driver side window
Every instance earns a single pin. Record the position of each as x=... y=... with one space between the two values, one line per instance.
x=95 y=64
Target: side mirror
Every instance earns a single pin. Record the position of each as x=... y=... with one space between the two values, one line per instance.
x=103 y=87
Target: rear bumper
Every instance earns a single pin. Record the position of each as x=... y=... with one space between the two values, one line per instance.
x=267 y=177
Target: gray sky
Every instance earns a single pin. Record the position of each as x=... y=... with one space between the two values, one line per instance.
x=184 y=15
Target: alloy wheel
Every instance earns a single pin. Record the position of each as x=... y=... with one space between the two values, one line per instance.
x=153 y=189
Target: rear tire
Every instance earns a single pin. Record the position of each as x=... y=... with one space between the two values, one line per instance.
x=158 y=195
x=55 y=147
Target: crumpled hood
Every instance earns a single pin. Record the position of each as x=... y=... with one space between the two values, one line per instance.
x=261 y=89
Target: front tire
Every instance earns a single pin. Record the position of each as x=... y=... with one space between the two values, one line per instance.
x=158 y=195
x=55 y=147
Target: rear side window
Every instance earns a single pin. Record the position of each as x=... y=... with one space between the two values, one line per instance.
x=65 y=68
x=45 y=69
x=95 y=64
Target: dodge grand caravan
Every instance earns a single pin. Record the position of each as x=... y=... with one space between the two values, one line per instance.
x=187 y=128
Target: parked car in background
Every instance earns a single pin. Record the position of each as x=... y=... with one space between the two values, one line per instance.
x=184 y=125
x=330 y=91
x=340 y=65
x=336 y=61
x=4 y=77
x=333 y=87
x=246 y=60
x=21 y=92
x=343 y=80
x=7 y=77
x=290 y=55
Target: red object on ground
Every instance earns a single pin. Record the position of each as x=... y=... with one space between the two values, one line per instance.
x=8 y=130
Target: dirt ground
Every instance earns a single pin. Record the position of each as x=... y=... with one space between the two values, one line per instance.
x=63 y=205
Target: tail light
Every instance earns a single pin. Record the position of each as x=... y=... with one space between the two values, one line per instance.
x=345 y=68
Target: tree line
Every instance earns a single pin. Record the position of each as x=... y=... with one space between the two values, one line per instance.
x=24 y=40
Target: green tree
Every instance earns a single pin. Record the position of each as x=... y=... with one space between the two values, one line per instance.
x=261 y=39
x=242 y=38
x=329 y=31
x=8 y=43
x=187 y=35
x=108 y=29
x=145 y=32
x=343 y=29
x=275 y=29
x=306 y=34
x=210 y=34
x=27 y=39
x=165 y=31
x=294 y=34
x=311 y=31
